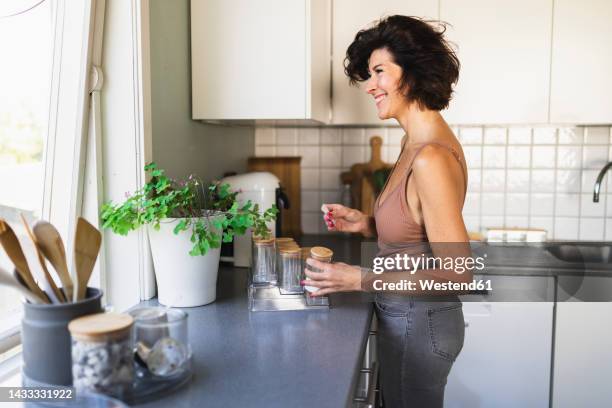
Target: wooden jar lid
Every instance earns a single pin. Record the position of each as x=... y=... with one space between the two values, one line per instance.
x=283 y=240
x=263 y=241
x=289 y=250
x=321 y=253
x=100 y=325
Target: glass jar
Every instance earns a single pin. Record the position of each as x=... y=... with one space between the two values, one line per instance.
x=321 y=254
x=263 y=270
x=290 y=270
x=161 y=341
x=102 y=353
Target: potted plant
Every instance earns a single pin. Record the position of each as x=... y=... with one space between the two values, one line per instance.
x=186 y=222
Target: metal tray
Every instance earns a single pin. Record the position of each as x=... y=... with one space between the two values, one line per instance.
x=268 y=298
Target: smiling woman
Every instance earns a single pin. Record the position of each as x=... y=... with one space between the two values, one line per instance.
x=409 y=70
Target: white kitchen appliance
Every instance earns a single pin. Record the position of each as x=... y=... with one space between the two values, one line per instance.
x=259 y=187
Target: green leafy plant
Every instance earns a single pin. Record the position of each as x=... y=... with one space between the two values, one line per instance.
x=211 y=213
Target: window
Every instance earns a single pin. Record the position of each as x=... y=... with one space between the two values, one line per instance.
x=25 y=80
x=46 y=53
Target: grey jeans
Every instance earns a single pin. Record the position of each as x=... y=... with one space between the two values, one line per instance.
x=418 y=341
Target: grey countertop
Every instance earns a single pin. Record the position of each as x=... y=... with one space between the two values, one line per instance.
x=307 y=358
x=273 y=359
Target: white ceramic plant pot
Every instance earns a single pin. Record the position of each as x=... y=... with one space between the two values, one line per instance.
x=182 y=280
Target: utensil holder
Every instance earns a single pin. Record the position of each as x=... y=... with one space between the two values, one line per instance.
x=45 y=338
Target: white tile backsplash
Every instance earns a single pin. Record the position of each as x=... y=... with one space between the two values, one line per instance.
x=494 y=157
x=569 y=157
x=540 y=176
x=331 y=156
x=591 y=229
x=567 y=205
x=470 y=135
x=353 y=136
x=286 y=136
x=519 y=157
x=544 y=135
x=352 y=155
x=495 y=135
x=519 y=135
x=517 y=181
x=571 y=135
x=597 y=135
x=595 y=157
x=331 y=136
x=543 y=157
x=308 y=136
x=310 y=156
x=566 y=228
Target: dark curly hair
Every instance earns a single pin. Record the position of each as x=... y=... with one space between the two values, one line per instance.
x=429 y=65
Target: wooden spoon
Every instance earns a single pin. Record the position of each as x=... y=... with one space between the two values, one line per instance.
x=11 y=245
x=87 y=241
x=51 y=245
x=58 y=293
x=7 y=279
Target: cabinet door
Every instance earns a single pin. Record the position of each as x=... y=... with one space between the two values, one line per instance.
x=351 y=105
x=504 y=51
x=505 y=361
x=583 y=357
x=582 y=62
x=248 y=59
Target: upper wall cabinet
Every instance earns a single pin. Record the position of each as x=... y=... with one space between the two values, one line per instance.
x=504 y=51
x=265 y=59
x=351 y=105
x=581 y=89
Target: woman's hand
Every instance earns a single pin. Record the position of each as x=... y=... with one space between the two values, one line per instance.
x=336 y=277
x=340 y=218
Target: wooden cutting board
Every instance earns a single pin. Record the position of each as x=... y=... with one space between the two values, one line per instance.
x=287 y=169
x=363 y=193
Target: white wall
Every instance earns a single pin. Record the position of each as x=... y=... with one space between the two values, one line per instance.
x=181 y=145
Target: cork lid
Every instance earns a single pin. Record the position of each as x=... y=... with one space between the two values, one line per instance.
x=263 y=241
x=100 y=325
x=289 y=250
x=321 y=253
x=282 y=240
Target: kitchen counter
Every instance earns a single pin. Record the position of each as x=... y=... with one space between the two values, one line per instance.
x=274 y=359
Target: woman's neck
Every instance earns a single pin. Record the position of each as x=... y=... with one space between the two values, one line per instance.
x=420 y=125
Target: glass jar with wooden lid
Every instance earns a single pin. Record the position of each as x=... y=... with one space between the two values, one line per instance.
x=102 y=353
x=264 y=253
x=290 y=269
x=321 y=254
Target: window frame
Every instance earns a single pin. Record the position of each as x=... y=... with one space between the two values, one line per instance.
x=67 y=129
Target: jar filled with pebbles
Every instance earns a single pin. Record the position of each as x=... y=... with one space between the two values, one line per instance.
x=102 y=353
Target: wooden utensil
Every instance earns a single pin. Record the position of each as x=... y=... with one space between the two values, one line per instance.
x=11 y=245
x=87 y=241
x=58 y=293
x=51 y=245
x=7 y=279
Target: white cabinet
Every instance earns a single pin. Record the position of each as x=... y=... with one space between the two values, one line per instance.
x=505 y=361
x=504 y=51
x=581 y=89
x=352 y=105
x=583 y=356
x=266 y=59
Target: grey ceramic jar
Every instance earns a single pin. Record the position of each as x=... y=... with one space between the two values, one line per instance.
x=46 y=342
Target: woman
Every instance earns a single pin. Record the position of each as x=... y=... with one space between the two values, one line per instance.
x=409 y=70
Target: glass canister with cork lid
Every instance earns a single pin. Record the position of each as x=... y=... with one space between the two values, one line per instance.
x=290 y=269
x=102 y=353
x=264 y=254
x=321 y=254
